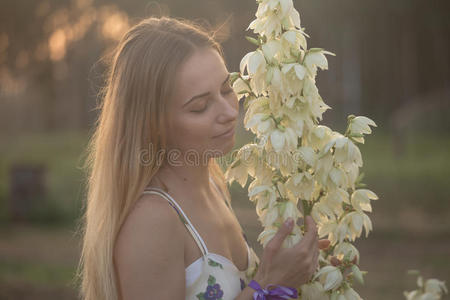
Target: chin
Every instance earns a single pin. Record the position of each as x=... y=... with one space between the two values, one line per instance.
x=222 y=149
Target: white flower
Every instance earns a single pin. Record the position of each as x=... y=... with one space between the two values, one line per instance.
x=413 y=295
x=260 y=123
x=239 y=85
x=346 y=249
x=293 y=87
x=433 y=289
x=334 y=198
x=328 y=228
x=307 y=154
x=296 y=38
x=253 y=61
x=290 y=210
x=360 y=199
x=271 y=50
x=360 y=125
x=351 y=294
x=256 y=189
x=266 y=235
x=269 y=216
x=313 y=291
x=299 y=70
x=276 y=80
x=320 y=212
x=244 y=164
x=301 y=185
x=352 y=170
x=435 y=286
x=345 y=150
x=338 y=177
x=350 y=227
x=330 y=277
x=286 y=138
x=314 y=59
x=355 y=221
x=323 y=167
x=320 y=136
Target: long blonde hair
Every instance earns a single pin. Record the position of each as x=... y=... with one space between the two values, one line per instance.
x=132 y=112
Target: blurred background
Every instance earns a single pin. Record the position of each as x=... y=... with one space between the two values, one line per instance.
x=392 y=65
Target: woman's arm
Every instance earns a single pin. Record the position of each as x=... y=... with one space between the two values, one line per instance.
x=247 y=292
x=149 y=252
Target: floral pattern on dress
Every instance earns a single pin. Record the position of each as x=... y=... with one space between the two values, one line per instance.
x=213 y=290
x=214 y=263
x=242 y=283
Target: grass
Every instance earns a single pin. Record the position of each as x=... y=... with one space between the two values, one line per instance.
x=35 y=272
x=60 y=153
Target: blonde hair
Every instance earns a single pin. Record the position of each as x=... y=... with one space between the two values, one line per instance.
x=132 y=113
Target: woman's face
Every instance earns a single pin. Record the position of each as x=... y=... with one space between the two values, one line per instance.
x=203 y=108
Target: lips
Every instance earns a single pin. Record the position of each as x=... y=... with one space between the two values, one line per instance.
x=225 y=132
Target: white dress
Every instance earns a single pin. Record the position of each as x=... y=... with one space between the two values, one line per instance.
x=211 y=276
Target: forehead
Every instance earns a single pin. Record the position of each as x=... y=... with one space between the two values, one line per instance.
x=202 y=72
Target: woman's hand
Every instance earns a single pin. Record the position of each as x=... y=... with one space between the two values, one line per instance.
x=292 y=266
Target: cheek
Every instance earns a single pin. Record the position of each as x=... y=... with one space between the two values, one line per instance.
x=192 y=131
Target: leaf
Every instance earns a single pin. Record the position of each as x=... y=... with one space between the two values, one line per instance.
x=235 y=164
x=252 y=40
x=244 y=92
x=233 y=77
x=282 y=207
x=211 y=280
x=214 y=263
x=315 y=49
x=357 y=274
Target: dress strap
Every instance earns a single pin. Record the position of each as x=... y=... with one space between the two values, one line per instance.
x=198 y=239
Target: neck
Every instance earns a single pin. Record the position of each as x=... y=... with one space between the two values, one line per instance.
x=184 y=177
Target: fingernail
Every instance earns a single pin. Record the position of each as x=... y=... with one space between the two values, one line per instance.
x=289 y=222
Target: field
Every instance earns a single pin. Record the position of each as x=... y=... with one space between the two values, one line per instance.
x=411 y=219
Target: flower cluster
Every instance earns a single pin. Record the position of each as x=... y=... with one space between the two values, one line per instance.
x=431 y=289
x=295 y=159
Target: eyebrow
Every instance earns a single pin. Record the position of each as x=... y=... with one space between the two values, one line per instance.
x=204 y=94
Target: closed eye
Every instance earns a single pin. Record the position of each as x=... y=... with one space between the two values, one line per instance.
x=199 y=111
x=206 y=106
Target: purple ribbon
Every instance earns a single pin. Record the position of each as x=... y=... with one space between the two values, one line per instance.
x=278 y=293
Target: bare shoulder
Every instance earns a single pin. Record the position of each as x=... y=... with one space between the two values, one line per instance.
x=152 y=215
x=149 y=250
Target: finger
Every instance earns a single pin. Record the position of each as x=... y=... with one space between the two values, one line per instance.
x=310 y=236
x=313 y=251
x=335 y=261
x=277 y=240
x=316 y=247
x=309 y=223
x=316 y=260
x=355 y=261
x=324 y=244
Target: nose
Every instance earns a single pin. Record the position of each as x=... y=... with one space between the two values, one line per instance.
x=229 y=110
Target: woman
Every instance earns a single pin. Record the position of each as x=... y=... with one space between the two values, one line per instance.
x=158 y=224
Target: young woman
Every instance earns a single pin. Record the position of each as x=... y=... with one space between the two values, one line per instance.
x=158 y=222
